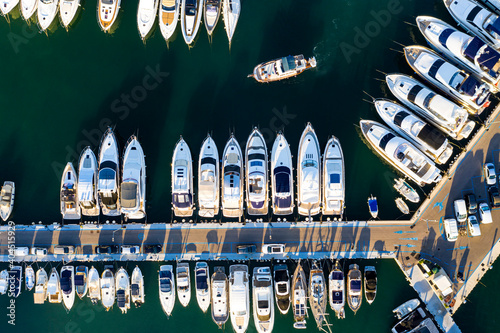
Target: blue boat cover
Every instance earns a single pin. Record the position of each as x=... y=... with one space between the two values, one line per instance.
x=473 y=13
x=469 y=86
x=372 y=204
x=337 y=297
x=284 y=202
x=201 y=282
x=79 y=280
x=495 y=27
x=400 y=116
x=282 y=176
x=471 y=50
x=443 y=37
x=334 y=178
x=184 y=203
x=356 y=285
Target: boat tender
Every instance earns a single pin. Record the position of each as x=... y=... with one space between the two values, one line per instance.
x=333 y=179
x=282 y=68
x=373 y=206
x=232 y=179
x=208 y=179
x=239 y=298
x=182 y=180
x=70 y=208
x=406 y=190
x=402 y=206
x=7 y=195
x=256 y=174
x=309 y=173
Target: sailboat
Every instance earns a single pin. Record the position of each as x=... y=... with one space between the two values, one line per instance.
x=168 y=17
x=30 y=277
x=68 y=286
x=182 y=180
x=333 y=178
x=67 y=11
x=262 y=297
x=81 y=283
x=318 y=295
x=354 y=288
x=239 y=298
x=208 y=179
x=107 y=289
x=336 y=285
x=299 y=297
x=202 y=278
x=232 y=179
x=220 y=299
x=191 y=13
x=137 y=287
x=146 y=17
x=87 y=183
x=122 y=290
x=370 y=283
x=256 y=174
x=94 y=285
x=231 y=13
x=309 y=173
x=183 y=283
x=107 y=12
x=7 y=199
x=40 y=293
x=282 y=288
x=373 y=206
x=108 y=187
x=166 y=286
x=133 y=186
x=281 y=177
x=54 y=293
x=70 y=208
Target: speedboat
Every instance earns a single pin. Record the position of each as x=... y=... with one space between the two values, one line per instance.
x=281 y=177
x=87 y=183
x=29 y=277
x=232 y=179
x=182 y=180
x=122 y=290
x=211 y=14
x=470 y=52
x=54 y=293
x=168 y=16
x=47 y=11
x=4 y=281
x=336 y=286
x=354 y=288
x=231 y=13
x=400 y=153
x=308 y=173
x=262 y=299
x=370 y=283
x=6 y=6
x=424 y=136
x=448 y=116
x=94 y=285
x=208 y=179
x=333 y=178
x=299 y=297
x=462 y=86
x=146 y=16
x=191 y=13
x=137 y=287
x=133 y=187
x=70 y=208
x=202 y=285
x=183 y=283
x=406 y=190
x=107 y=12
x=256 y=174
x=40 y=293
x=373 y=206
x=220 y=299
x=402 y=206
x=166 y=287
x=282 y=288
x=81 y=275
x=317 y=294
x=7 y=199
x=68 y=286
x=476 y=19
x=28 y=8
x=239 y=298
x=107 y=289
x=407 y=307
x=282 y=68
x=67 y=11
x=108 y=183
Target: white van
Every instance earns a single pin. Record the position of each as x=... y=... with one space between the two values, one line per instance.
x=451 y=229
x=460 y=210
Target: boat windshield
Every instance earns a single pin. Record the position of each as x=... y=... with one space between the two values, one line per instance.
x=356 y=285
x=191 y=7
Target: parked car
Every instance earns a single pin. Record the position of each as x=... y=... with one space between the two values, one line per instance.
x=153 y=248
x=485 y=213
x=106 y=249
x=130 y=249
x=38 y=251
x=21 y=251
x=246 y=249
x=451 y=229
x=473 y=226
x=64 y=249
x=470 y=200
x=273 y=248
x=489 y=174
x=494 y=196
x=460 y=210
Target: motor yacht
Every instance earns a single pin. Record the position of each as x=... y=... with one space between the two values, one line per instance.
x=309 y=173
x=108 y=180
x=4 y=281
x=81 y=275
x=122 y=290
x=29 y=277
x=299 y=297
x=67 y=11
x=46 y=11
x=373 y=206
x=107 y=289
x=7 y=195
x=239 y=297
x=333 y=178
x=166 y=285
x=133 y=187
x=6 y=6
x=87 y=183
x=282 y=177
x=94 y=285
x=220 y=289
x=406 y=190
x=415 y=322
x=182 y=180
x=146 y=17
x=168 y=17
x=137 y=287
x=256 y=174
x=231 y=13
x=282 y=68
x=370 y=283
x=107 y=12
x=28 y=8
x=42 y=280
x=202 y=278
x=282 y=288
x=336 y=284
x=183 y=283
x=191 y=13
x=405 y=308
x=211 y=14
x=54 y=293
x=318 y=295
x=208 y=179
x=232 y=179
x=262 y=299
x=70 y=208
x=68 y=286
x=354 y=288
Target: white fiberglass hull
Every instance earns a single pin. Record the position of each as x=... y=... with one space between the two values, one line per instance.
x=133 y=187
x=167 y=297
x=182 y=180
x=70 y=207
x=109 y=167
x=54 y=293
x=107 y=289
x=107 y=14
x=123 y=290
x=168 y=16
x=256 y=174
x=87 y=183
x=6 y=6
x=146 y=16
x=308 y=173
x=42 y=280
x=28 y=8
x=46 y=13
x=282 y=177
x=262 y=300
x=67 y=11
x=333 y=178
x=202 y=285
x=232 y=179
x=239 y=297
x=68 y=272
x=208 y=179
x=137 y=282
x=94 y=286
x=191 y=13
x=7 y=199
x=183 y=283
x=231 y=13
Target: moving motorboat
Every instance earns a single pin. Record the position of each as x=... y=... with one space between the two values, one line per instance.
x=94 y=285
x=70 y=208
x=107 y=289
x=7 y=199
x=232 y=179
x=47 y=11
x=231 y=13
x=137 y=287
x=336 y=286
x=256 y=174
x=318 y=295
x=220 y=298
x=208 y=179
x=133 y=187
x=281 y=177
x=68 y=286
x=299 y=297
x=406 y=190
x=4 y=281
x=262 y=299
x=424 y=136
x=108 y=183
x=239 y=297
x=81 y=282
x=182 y=180
x=191 y=13
x=415 y=322
x=211 y=14
x=282 y=288
x=370 y=283
x=282 y=68
x=28 y=8
x=373 y=206
x=309 y=173
x=123 y=290
x=333 y=178
x=168 y=16
x=407 y=307
x=107 y=12
x=67 y=11
x=42 y=280
x=6 y=6
x=166 y=286
x=146 y=16
x=400 y=153
x=183 y=283
x=202 y=278
x=354 y=288
x=29 y=273
x=87 y=183
x=402 y=206
x=54 y=293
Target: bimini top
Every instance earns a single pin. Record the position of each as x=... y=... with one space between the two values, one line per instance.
x=288 y=63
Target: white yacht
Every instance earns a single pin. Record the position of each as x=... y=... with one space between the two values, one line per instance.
x=70 y=208
x=108 y=183
x=463 y=87
x=191 y=13
x=54 y=293
x=402 y=206
x=137 y=287
x=107 y=12
x=68 y=286
x=87 y=183
x=202 y=278
x=220 y=299
x=166 y=286
x=67 y=11
x=370 y=283
x=333 y=178
x=354 y=288
x=281 y=177
x=133 y=187
x=28 y=8
x=208 y=179
x=231 y=13
x=7 y=195
x=4 y=281
x=239 y=298
x=318 y=295
x=211 y=14
x=6 y=6
x=47 y=11
x=94 y=285
x=29 y=273
x=183 y=283
x=42 y=280
x=232 y=179
x=448 y=116
x=309 y=173
x=262 y=299
x=282 y=287
x=400 y=153
x=182 y=180
x=81 y=281
x=494 y=5
x=426 y=137
x=146 y=16
x=168 y=16
x=107 y=289
x=476 y=19
x=122 y=290
x=256 y=174
x=282 y=68
x=299 y=297
x=336 y=284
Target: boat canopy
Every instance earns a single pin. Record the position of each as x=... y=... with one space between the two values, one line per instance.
x=495 y=26
x=79 y=280
x=288 y=63
x=66 y=282
x=129 y=194
x=372 y=204
x=107 y=178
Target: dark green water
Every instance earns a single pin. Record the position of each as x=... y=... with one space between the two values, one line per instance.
x=58 y=94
